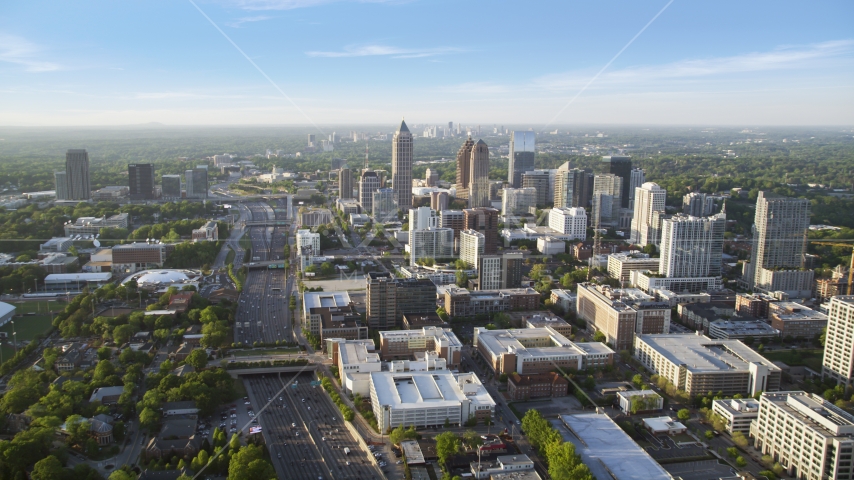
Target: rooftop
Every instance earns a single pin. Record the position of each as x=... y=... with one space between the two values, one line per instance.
x=814 y=411
x=325 y=299
x=701 y=354
x=426 y=389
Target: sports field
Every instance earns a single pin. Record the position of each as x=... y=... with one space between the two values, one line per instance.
x=28 y=326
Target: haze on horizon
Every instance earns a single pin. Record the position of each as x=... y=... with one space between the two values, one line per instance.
x=338 y=62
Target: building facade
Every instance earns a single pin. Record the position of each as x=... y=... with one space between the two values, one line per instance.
x=692 y=246
x=522 y=151
x=77 y=175
x=345 y=183
x=571 y=187
x=838 y=363
x=141 y=181
x=620 y=314
x=569 y=221
x=649 y=198
x=539 y=181
x=464 y=169
x=518 y=201
x=779 y=243
x=401 y=166
x=381 y=300
x=485 y=221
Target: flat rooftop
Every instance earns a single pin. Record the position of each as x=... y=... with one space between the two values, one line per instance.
x=414 y=390
x=515 y=339
x=352 y=353
x=701 y=354
x=325 y=299
x=606 y=449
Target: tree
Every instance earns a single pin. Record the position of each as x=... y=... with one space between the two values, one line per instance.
x=447 y=445
x=104 y=353
x=148 y=418
x=709 y=434
x=198 y=359
x=599 y=337
x=78 y=429
x=565 y=463
x=739 y=439
x=249 y=464
x=48 y=468
x=683 y=414
x=740 y=462
x=122 y=475
x=732 y=452
x=472 y=439
x=234 y=443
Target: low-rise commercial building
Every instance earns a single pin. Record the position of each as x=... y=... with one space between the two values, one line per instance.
x=621 y=313
x=664 y=426
x=402 y=344
x=135 y=257
x=537 y=350
x=526 y=387
x=698 y=364
x=320 y=305
x=738 y=413
x=93 y=225
x=417 y=321
x=753 y=304
x=811 y=438
x=551 y=246
x=699 y=315
x=565 y=299
x=545 y=320
x=428 y=398
x=640 y=401
x=738 y=328
x=209 y=232
x=356 y=360
x=649 y=282
x=75 y=282
x=795 y=320
x=503 y=465
x=460 y=302
x=620 y=265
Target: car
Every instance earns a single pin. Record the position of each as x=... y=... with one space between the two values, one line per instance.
x=348 y=464
x=399 y=462
x=280 y=455
x=293 y=425
x=247 y=403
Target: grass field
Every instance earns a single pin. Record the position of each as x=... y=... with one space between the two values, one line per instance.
x=229 y=257
x=810 y=358
x=29 y=326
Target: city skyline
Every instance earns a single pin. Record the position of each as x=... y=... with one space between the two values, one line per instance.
x=255 y=62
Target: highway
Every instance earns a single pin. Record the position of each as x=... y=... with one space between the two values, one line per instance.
x=304 y=430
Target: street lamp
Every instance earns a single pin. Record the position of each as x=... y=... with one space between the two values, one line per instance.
x=15 y=338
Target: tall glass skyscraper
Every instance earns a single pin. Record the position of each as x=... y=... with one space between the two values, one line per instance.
x=77 y=174
x=401 y=166
x=620 y=166
x=521 y=156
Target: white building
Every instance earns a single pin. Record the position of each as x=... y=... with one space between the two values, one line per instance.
x=620 y=265
x=308 y=247
x=651 y=283
x=741 y=329
x=428 y=398
x=518 y=201
x=692 y=246
x=738 y=413
x=551 y=245
x=570 y=221
x=811 y=438
x=430 y=243
x=422 y=218
x=647 y=400
x=565 y=299
x=356 y=360
x=472 y=245
x=838 y=363
x=779 y=244
x=7 y=311
x=490 y=272
x=649 y=197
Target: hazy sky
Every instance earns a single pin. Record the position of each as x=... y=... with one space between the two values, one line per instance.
x=108 y=62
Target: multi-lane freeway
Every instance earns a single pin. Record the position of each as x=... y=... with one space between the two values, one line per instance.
x=304 y=431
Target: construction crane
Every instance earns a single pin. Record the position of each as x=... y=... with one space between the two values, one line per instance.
x=850 y=268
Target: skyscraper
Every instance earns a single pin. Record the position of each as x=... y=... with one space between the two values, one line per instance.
x=521 y=156
x=570 y=187
x=381 y=300
x=439 y=201
x=838 y=363
x=430 y=243
x=464 y=169
x=431 y=178
x=385 y=206
x=638 y=179
x=197 y=182
x=479 y=176
x=311 y=140
x=171 y=186
x=472 y=245
x=484 y=220
x=607 y=189
x=401 y=166
x=345 y=183
x=539 y=180
x=141 y=181
x=649 y=197
x=779 y=243
x=518 y=201
x=368 y=184
x=692 y=247
x=622 y=167
x=77 y=174
x=61 y=180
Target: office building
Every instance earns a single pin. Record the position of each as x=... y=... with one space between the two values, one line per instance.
x=570 y=187
x=141 y=181
x=435 y=243
x=838 y=363
x=171 y=186
x=621 y=314
x=541 y=182
x=311 y=140
x=537 y=350
x=485 y=221
x=197 y=182
x=415 y=296
x=649 y=198
x=471 y=246
x=779 y=243
x=548 y=245
x=136 y=257
x=639 y=401
x=652 y=282
x=522 y=151
x=638 y=178
x=621 y=265
x=738 y=413
x=464 y=169
x=77 y=174
x=796 y=321
x=381 y=300
x=698 y=364
x=810 y=437
x=428 y=398
x=401 y=167
x=698 y=204
x=526 y=387
x=460 y=302
x=335 y=308
x=479 y=176
x=308 y=247
x=692 y=246
x=431 y=178
x=518 y=201
x=740 y=328
x=622 y=167
x=569 y=221
x=93 y=225
x=511 y=273
x=345 y=183
x=606 y=199
x=489 y=273
x=61 y=182
x=453 y=219
x=439 y=201
x=385 y=206
x=402 y=344
x=565 y=299
x=368 y=184
x=355 y=359
x=110 y=193
x=209 y=232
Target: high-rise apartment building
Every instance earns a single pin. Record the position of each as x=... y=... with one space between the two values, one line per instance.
x=518 y=201
x=489 y=274
x=439 y=201
x=401 y=166
x=511 y=273
x=77 y=174
x=607 y=189
x=621 y=313
x=570 y=187
x=381 y=300
x=638 y=178
x=479 y=176
x=61 y=181
x=171 y=186
x=779 y=244
x=464 y=169
x=569 y=221
x=141 y=181
x=308 y=247
x=692 y=247
x=431 y=178
x=385 y=206
x=540 y=181
x=838 y=364
x=622 y=167
x=485 y=221
x=430 y=243
x=471 y=246
x=649 y=198
x=345 y=183
x=422 y=217
x=453 y=219
x=368 y=184
x=522 y=150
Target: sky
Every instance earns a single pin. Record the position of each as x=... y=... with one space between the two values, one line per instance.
x=538 y=63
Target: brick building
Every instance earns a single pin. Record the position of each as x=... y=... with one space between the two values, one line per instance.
x=525 y=387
